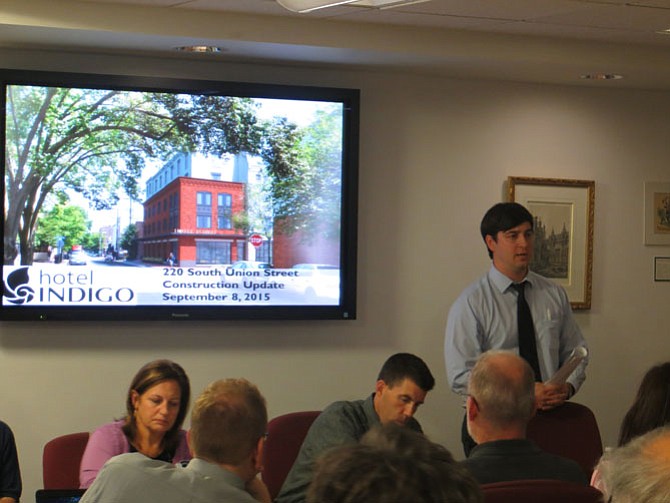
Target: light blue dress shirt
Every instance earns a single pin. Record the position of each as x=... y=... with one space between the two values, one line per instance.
x=484 y=318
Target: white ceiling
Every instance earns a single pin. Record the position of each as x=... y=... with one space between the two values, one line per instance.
x=548 y=41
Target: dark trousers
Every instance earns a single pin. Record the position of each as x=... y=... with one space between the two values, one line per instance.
x=466 y=439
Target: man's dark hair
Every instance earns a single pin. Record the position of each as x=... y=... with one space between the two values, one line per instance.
x=392 y=464
x=502 y=217
x=402 y=366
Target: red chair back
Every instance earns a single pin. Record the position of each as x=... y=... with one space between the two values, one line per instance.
x=61 y=458
x=540 y=491
x=285 y=436
x=570 y=431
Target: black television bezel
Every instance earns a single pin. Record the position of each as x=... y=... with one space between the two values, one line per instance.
x=350 y=98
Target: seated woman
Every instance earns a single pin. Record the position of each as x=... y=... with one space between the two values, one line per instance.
x=650 y=410
x=156 y=405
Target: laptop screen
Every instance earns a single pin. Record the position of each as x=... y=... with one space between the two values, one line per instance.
x=58 y=495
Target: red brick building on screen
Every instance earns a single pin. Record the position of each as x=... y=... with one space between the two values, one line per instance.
x=192 y=218
x=192 y=207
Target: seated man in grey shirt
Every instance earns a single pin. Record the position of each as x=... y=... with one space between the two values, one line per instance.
x=402 y=386
x=228 y=426
x=500 y=403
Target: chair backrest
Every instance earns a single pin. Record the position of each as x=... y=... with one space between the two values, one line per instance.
x=570 y=431
x=61 y=458
x=285 y=436
x=540 y=491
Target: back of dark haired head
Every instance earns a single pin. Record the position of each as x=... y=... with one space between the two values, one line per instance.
x=502 y=217
x=651 y=408
x=392 y=464
x=391 y=438
x=402 y=366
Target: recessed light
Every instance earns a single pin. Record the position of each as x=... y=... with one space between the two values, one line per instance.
x=210 y=49
x=601 y=76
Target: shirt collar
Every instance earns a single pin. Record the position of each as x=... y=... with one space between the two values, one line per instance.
x=206 y=469
x=369 y=409
x=502 y=282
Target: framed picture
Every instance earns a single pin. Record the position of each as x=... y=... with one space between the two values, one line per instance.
x=657 y=213
x=563 y=212
x=661 y=268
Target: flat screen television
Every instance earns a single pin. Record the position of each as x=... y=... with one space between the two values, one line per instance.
x=157 y=198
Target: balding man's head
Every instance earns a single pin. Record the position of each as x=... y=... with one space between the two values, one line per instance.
x=503 y=386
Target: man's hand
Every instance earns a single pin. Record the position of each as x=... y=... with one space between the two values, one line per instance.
x=550 y=396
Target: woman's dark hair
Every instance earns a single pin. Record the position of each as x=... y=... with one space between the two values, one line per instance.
x=651 y=407
x=149 y=375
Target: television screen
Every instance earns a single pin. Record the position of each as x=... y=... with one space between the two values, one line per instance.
x=143 y=198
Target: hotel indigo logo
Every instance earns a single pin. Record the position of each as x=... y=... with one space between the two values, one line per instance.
x=62 y=287
x=16 y=288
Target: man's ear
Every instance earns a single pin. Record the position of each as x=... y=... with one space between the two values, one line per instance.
x=471 y=408
x=259 y=454
x=380 y=386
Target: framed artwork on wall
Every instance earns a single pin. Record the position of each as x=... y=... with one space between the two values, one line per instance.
x=564 y=213
x=657 y=213
x=661 y=268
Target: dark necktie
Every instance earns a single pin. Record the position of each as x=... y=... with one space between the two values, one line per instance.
x=527 y=344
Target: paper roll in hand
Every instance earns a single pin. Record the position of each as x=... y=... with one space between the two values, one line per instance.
x=578 y=354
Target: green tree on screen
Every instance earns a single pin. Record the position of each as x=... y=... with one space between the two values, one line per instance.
x=94 y=142
x=305 y=172
x=97 y=142
x=70 y=222
x=129 y=241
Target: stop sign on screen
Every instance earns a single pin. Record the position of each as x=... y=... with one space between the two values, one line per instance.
x=256 y=240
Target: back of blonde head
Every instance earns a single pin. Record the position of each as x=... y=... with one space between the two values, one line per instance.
x=228 y=419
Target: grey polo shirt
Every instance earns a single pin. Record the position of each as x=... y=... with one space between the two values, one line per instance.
x=340 y=423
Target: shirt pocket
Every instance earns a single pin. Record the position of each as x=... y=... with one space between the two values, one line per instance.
x=549 y=334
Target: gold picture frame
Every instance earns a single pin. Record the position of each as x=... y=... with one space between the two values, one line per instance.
x=564 y=213
x=657 y=213
x=661 y=268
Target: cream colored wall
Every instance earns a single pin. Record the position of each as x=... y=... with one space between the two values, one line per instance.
x=434 y=155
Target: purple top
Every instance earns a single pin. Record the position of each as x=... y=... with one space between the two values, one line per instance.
x=109 y=441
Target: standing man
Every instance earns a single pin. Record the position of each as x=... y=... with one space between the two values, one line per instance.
x=512 y=308
x=402 y=386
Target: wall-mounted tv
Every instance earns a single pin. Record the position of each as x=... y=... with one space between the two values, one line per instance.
x=157 y=198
